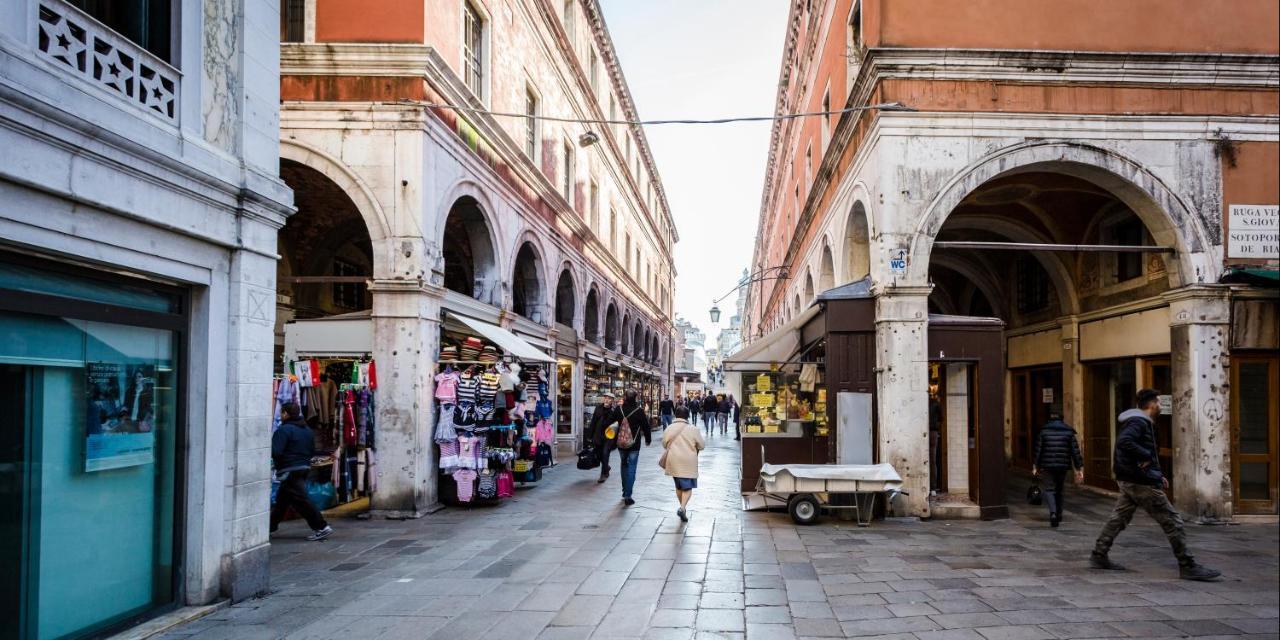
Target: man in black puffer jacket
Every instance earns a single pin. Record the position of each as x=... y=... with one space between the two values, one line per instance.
x=1142 y=484
x=1057 y=452
x=292 y=446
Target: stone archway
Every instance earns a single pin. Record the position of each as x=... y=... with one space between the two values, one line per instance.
x=528 y=292
x=591 y=316
x=470 y=262
x=826 y=269
x=566 y=298
x=857 y=243
x=611 y=328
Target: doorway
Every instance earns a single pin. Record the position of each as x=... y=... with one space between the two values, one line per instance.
x=1111 y=389
x=953 y=428
x=1255 y=423
x=1157 y=375
x=1037 y=393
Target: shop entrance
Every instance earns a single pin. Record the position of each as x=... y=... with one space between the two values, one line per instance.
x=1110 y=389
x=1255 y=430
x=953 y=430
x=1037 y=393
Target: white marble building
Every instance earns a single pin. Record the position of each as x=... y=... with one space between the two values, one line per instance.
x=139 y=149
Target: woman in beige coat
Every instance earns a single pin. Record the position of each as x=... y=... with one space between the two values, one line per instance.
x=681 y=443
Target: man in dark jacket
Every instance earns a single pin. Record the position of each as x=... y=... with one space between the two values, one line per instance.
x=710 y=407
x=633 y=412
x=292 y=446
x=601 y=418
x=1057 y=452
x=1142 y=484
x=666 y=411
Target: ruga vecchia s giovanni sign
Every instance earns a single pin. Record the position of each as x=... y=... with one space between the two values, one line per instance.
x=1253 y=231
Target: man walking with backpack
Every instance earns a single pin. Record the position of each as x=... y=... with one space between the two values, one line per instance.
x=1057 y=452
x=1142 y=484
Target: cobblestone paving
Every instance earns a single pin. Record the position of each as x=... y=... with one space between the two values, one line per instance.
x=566 y=560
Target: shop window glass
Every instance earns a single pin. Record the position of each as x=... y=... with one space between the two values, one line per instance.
x=19 y=277
x=1254 y=406
x=1254 y=480
x=91 y=481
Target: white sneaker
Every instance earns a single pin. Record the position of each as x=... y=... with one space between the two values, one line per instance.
x=320 y=534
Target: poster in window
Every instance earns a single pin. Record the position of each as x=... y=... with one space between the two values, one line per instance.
x=120 y=417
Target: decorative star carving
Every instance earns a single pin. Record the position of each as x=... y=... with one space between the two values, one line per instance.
x=63 y=44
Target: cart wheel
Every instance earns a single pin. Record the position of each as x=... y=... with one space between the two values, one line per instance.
x=804 y=509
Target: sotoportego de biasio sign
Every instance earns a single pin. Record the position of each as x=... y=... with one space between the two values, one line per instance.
x=1253 y=231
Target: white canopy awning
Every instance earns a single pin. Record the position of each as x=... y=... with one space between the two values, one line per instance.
x=777 y=347
x=512 y=344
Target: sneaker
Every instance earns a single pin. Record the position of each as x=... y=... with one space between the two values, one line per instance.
x=1097 y=561
x=1198 y=572
x=320 y=534
x=683 y=517
x=628 y=501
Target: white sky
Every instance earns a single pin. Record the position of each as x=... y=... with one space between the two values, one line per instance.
x=705 y=59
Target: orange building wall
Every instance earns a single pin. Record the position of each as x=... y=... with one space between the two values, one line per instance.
x=1254 y=180
x=1210 y=26
x=370 y=21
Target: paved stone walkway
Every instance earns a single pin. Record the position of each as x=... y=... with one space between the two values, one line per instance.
x=566 y=560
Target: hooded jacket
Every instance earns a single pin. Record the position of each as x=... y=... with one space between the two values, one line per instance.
x=1135 y=445
x=1057 y=447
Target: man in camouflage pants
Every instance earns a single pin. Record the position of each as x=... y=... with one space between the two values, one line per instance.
x=1142 y=484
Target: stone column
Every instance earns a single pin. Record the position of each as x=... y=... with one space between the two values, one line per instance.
x=245 y=453
x=1072 y=375
x=406 y=336
x=1199 y=319
x=902 y=386
x=957 y=443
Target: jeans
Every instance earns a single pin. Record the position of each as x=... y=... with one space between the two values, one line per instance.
x=1154 y=501
x=293 y=493
x=666 y=420
x=629 y=461
x=723 y=419
x=1052 y=481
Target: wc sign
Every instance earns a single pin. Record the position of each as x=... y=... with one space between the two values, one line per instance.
x=898 y=262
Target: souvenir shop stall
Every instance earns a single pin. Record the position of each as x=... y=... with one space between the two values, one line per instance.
x=334 y=381
x=783 y=395
x=494 y=412
x=564 y=397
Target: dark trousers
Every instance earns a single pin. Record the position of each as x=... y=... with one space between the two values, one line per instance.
x=1154 y=501
x=605 y=448
x=1051 y=481
x=293 y=493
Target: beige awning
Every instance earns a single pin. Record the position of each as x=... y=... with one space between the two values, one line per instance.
x=775 y=348
x=513 y=345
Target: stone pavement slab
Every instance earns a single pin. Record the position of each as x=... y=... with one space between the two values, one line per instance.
x=566 y=560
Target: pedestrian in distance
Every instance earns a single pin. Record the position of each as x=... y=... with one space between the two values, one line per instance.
x=710 y=407
x=629 y=457
x=695 y=406
x=681 y=444
x=666 y=411
x=292 y=446
x=722 y=413
x=737 y=417
x=598 y=433
x=1057 y=451
x=1142 y=484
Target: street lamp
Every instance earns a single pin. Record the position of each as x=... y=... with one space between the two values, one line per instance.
x=715 y=313
x=779 y=273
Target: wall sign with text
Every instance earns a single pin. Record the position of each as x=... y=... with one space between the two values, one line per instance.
x=1253 y=231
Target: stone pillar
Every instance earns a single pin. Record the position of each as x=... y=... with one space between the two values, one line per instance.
x=245 y=453
x=957 y=444
x=1199 y=319
x=902 y=386
x=406 y=336
x=1072 y=375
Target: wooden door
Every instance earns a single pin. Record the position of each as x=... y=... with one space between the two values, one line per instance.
x=1111 y=387
x=1023 y=446
x=1255 y=386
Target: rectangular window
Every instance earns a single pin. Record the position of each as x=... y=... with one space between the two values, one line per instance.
x=293 y=20
x=569 y=20
x=531 y=123
x=594 y=205
x=853 y=45
x=626 y=254
x=826 y=118
x=1128 y=231
x=594 y=71
x=473 y=49
x=808 y=165
x=568 y=177
x=146 y=23
x=613 y=231
x=1032 y=285
x=348 y=295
